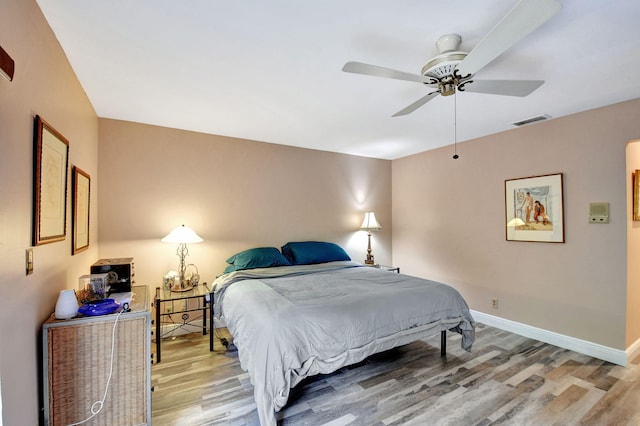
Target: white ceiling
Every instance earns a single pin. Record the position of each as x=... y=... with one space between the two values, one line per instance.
x=271 y=70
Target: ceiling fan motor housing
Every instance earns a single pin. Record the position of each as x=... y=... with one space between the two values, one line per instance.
x=448 y=43
x=443 y=65
x=442 y=68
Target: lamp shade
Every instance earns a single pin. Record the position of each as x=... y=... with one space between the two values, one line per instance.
x=370 y=223
x=182 y=235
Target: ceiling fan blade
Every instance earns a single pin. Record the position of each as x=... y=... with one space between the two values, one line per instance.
x=417 y=104
x=523 y=19
x=503 y=87
x=374 y=70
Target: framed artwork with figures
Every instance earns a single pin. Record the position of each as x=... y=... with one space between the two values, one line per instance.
x=534 y=209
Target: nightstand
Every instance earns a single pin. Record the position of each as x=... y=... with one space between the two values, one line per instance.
x=169 y=303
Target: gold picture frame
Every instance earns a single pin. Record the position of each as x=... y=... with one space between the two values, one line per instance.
x=51 y=161
x=80 y=217
x=534 y=209
x=635 y=181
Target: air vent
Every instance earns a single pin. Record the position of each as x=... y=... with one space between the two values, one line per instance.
x=531 y=120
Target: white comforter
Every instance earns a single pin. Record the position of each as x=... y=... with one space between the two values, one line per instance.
x=292 y=322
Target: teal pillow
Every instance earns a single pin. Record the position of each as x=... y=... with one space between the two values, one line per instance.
x=260 y=257
x=310 y=252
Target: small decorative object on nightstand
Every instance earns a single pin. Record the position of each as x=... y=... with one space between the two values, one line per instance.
x=389 y=268
x=370 y=224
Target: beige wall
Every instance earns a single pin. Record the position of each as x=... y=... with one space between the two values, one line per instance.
x=448 y=224
x=43 y=84
x=236 y=194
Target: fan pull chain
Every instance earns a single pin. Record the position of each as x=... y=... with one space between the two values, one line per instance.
x=455 y=125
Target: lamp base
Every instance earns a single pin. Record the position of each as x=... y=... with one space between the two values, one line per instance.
x=180 y=290
x=369 y=260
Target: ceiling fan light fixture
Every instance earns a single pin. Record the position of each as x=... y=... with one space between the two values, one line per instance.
x=448 y=89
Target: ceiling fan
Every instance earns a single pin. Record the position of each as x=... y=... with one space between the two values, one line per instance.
x=452 y=70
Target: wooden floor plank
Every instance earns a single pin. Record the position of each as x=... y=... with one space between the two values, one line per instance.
x=506 y=380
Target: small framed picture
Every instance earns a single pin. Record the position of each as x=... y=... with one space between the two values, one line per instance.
x=80 y=218
x=50 y=184
x=534 y=209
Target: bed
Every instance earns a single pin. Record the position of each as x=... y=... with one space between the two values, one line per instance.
x=307 y=311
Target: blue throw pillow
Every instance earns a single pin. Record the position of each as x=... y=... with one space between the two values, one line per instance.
x=261 y=257
x=310 y=252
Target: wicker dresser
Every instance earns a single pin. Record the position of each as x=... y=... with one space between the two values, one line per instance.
x=77 y=361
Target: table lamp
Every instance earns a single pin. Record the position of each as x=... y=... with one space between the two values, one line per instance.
x=182 y=235
x=370 y=224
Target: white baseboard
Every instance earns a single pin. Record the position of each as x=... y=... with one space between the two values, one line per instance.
x=633 y=351
x=595 y=350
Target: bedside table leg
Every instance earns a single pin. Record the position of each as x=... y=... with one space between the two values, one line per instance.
x=204 y=315
x=211 y=323
x=158 y=331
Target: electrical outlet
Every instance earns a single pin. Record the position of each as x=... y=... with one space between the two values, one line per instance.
x=494 y=303
x=29 y=261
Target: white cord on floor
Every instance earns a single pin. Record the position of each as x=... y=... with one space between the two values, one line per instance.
x=97 y=406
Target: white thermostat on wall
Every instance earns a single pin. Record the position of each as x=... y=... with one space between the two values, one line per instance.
x=598 y=212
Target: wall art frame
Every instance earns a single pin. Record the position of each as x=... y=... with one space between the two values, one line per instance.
x=534 y=209
x=51 y=162
x=635 y=182
x=81 y=182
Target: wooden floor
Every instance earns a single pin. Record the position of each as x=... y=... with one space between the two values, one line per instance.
x=506 y=380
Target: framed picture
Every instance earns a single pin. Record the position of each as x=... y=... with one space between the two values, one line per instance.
x=534 y=209
x=50 y=184
x=636 y=194
x=80 y=219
